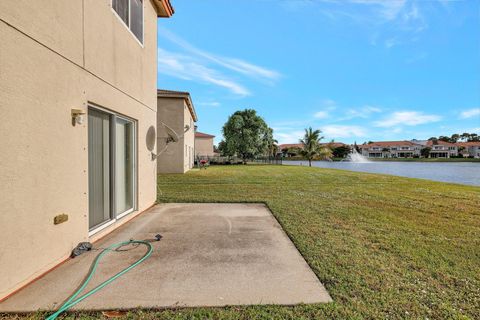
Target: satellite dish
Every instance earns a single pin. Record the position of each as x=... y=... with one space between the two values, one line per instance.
x=172 y=136
x=151 y=138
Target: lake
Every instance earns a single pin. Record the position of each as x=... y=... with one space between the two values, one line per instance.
x=455 y=172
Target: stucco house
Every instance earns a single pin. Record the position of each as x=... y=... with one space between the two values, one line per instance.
x=408 y=149
x=469 y=149
x=442 y=149
x=176 y=118
x=78 y=92
x=391 y=149
x=204 y=144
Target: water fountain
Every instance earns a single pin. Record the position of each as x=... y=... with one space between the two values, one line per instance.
x=354 y=156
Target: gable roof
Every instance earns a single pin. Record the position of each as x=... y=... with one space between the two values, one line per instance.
x=203 y=135
x=386 y=144
x=164 y=8
x=162 y=93
x=468 y=144
x=289 y=145
x=439 y=143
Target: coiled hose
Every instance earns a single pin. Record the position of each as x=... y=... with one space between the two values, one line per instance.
x=73 y=300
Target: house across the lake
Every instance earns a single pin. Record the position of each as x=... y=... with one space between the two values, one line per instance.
x=78 y=88
x=442 y=149
x=391 y=149
x=408 y=149
x=176 y=119
x=469 y=149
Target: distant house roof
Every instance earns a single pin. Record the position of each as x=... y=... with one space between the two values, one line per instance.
x=439 y=142
x=386 y=144
x=468 y=144
x=290 y=145
x=286 y=146
x=333 y=144
x=161 y=93
x=164 y=8
x=203 y=135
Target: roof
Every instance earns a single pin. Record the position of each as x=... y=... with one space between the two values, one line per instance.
x=386 y=144
x=468 y=144
x=333 y=144
x=289 y=145
x=439 y=143
x=299 y=145
x=203 y=135
x=164 y=8
x=161 y=93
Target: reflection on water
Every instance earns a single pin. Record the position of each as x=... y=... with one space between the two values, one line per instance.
x=456 y=172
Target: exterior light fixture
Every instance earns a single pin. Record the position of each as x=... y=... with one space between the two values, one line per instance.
x=78 y=116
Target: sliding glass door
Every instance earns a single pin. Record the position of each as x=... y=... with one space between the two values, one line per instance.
x=112 y=167
x=124 y=166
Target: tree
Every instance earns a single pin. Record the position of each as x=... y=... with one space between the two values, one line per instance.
x=311 y=148
x=473 y=137
x=246 y=135
x=444 y=138
x=454 y=138
x=271 y=143
x=464 y=136
x=425 y=152
x=222 y=148
x=341 y=152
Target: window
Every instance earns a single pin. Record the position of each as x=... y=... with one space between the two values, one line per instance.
x=131 y=12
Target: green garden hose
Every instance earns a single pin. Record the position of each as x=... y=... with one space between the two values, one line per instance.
x=73 y=300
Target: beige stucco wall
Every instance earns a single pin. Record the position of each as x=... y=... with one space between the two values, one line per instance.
x=188 y=139
x=44 y=159
x=204 y=147
x=175 y=158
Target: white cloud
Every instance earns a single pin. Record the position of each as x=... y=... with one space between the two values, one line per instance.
x=392 y=42
x=329 y=104
x=288 y=137
x=475 y=112
x=234 y=64
x=209 y=104
x=363 y=112
x=388 y=9
x=321 y=115
x=343 y=131
x=188 y=68
x=407 y=118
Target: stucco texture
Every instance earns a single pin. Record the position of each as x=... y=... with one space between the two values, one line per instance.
x=176 y=157
x=85 y=57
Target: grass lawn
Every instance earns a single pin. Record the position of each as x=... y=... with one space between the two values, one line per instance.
x=384 y=247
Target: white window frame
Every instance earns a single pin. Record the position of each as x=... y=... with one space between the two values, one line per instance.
x=117 y=217
x=141 y=43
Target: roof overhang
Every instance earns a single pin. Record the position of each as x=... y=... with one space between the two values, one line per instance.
x=164 y=8
x=179 y=95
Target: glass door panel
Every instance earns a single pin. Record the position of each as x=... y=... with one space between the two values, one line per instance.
x=124 y=165
x=98 y=168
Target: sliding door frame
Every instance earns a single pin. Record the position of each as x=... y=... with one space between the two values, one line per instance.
x=113 y=153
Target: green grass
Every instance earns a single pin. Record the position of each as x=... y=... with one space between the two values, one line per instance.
x=384 y=247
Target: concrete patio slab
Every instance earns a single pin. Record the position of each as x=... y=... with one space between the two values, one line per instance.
x=210 y=255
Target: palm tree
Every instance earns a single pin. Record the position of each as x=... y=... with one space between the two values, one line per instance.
x=311 y=148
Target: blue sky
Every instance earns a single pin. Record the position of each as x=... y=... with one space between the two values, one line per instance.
x=358 y=70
